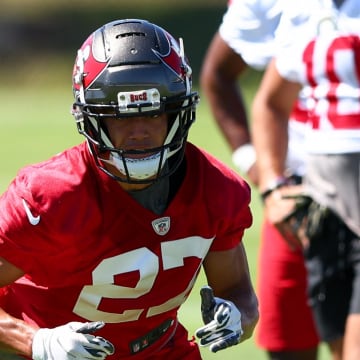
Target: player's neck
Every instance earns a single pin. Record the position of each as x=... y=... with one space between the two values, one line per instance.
x=133 y=187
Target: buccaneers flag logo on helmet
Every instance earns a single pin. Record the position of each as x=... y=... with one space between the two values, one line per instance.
x=87 y=69
x=173 y=59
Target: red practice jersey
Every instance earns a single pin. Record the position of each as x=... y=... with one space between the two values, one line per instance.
x=91 y=252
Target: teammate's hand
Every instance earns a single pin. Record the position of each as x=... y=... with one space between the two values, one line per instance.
x=222 y=322
x=71 y=342
x=280 y=207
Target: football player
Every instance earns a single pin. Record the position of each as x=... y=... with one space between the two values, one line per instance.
x=101 y=244
x=246 y=38
x=319 y=50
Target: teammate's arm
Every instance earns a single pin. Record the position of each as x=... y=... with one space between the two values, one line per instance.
x=220 y=71
x=270 y=113
x=218 y=77
x=271 y=109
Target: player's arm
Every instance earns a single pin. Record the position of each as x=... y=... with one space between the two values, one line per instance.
x=15 y=335
x=68 y=342
x=270 y=113
x=219 y=76
x=227 y=273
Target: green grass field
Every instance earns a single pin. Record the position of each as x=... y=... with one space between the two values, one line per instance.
x=36 y=123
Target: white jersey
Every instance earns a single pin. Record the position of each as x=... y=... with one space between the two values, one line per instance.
x=249 y=27
x=320 y=48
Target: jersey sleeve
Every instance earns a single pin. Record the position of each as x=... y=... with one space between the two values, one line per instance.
x=248 y=27
x=235 y=219
x=291 y=36
x=15 y=226
x=227 y=199
x=39 y=214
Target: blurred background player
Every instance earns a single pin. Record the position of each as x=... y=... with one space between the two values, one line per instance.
x=319 y=50
x=246 y=39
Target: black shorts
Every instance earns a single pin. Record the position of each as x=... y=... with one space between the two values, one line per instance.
x=333 y=265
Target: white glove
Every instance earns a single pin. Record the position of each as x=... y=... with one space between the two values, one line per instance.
x=70 y=342
x=222 y=322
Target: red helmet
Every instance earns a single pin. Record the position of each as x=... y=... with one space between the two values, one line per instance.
x=129 y=68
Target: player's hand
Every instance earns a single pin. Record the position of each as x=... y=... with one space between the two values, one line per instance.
x=284 y=211
x=71 y=342
x=222 y=322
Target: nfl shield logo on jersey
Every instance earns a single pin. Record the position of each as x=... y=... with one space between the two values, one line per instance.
x=161 y=226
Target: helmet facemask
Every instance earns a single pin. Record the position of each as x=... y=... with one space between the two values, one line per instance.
x=155 y=163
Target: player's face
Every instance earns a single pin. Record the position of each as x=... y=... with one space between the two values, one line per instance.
x=137 y=133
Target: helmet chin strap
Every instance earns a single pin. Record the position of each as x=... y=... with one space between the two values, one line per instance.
x=140 y=168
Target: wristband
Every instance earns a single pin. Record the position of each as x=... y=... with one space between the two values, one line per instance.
x=244 y=157
x=274 y=185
